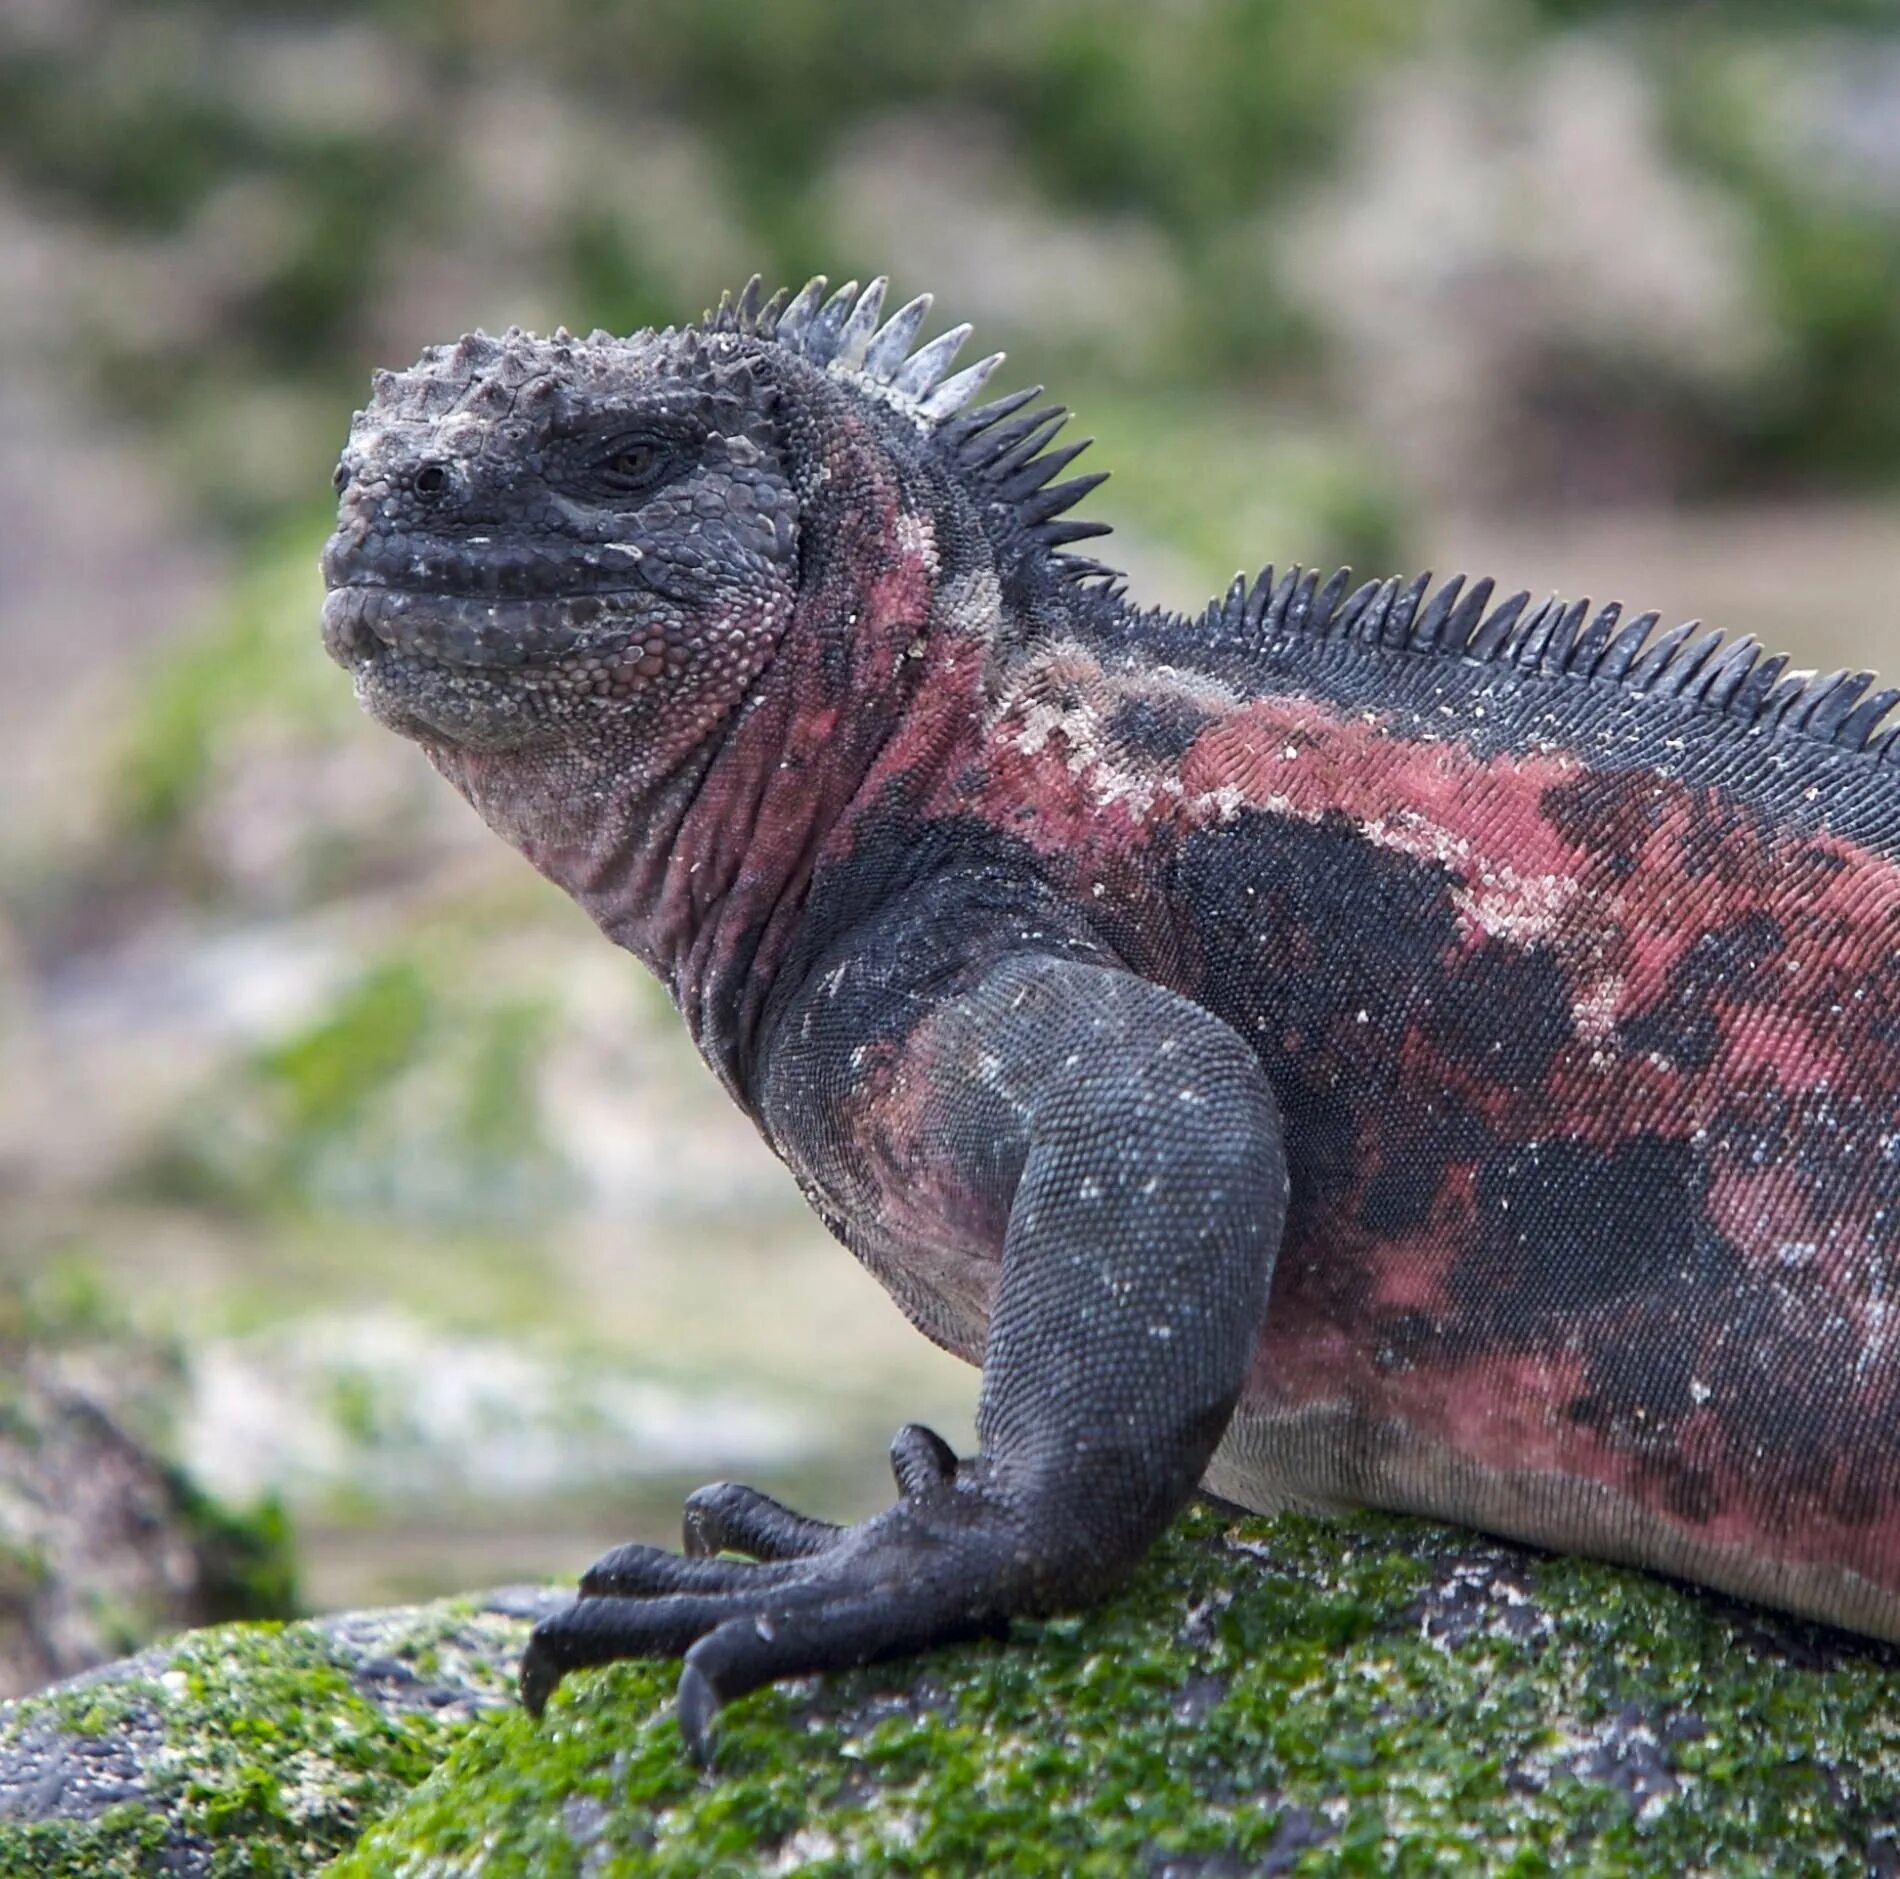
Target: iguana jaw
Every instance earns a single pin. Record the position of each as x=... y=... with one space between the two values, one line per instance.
x=482 y=671
x=493 y=674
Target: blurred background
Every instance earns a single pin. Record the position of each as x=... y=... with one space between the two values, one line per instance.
x=367 y=1228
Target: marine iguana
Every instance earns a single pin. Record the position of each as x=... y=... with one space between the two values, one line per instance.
x=1372 y=1047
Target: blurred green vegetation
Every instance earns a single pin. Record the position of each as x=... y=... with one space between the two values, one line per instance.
x=257 y=667
x=1829 y=261
x=303 y=196
x=412 y=1094
x=410 y=1090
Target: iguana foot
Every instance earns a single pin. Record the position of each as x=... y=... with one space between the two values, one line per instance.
x=948 y=1563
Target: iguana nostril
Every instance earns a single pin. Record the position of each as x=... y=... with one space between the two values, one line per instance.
x=431 y=480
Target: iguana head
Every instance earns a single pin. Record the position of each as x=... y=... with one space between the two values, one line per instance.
x=536 y=534
x=539 y=537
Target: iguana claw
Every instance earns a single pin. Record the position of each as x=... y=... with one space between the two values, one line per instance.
x=941 y=1566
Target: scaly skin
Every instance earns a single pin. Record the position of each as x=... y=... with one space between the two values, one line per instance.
x=1335 y=1051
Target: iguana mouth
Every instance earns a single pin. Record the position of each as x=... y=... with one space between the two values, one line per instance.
x=361 y=617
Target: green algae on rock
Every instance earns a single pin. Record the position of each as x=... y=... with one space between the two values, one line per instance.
x=249 y=1749
x=1270 y=1696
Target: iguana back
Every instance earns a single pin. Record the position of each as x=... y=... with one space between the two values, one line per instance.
x=1573 y=959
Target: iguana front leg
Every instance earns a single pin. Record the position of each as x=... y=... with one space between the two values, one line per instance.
x=1128 y=1148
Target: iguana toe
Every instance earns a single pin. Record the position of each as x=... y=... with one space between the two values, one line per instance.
x=727 y=1518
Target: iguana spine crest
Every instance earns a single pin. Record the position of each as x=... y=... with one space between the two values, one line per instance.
x=997 y=451
x=1005 y=461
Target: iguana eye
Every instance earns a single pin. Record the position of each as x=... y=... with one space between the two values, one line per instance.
x=630 y=468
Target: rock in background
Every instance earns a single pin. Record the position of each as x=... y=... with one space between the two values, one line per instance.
x=104 y=1544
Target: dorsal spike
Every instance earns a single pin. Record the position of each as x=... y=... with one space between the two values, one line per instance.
x=1621 y=652
x=1595 y=638
x=766 y=326
x=921 y=371
x=750 y=298
x=1458 y=630
x=1725 y=676
x=1533 y=635
x=1555 y=656
x=1431 y=623
x=1285 y=590
x=1679 y=677
x=1369 y=626
x=985 y=417
x=890 y=345
x=1348 y=613
x=1826 y=702
x=1313 y=606
x=956 y=391
x=1753 y=692
x=1258 y=595
x=862 y=325
x=795 y=322
x=1859 y=725
x=1403 y=610
x=1014 y=444
x=1491 y=637
x=1058 y=532
x=1779 y=702
x=1650 y=667
x=1042 y=469
x=1061 y=496
x=828 y=324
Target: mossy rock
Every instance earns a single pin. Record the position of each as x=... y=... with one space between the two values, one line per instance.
x=1380 y=1696
x=260 y=1750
